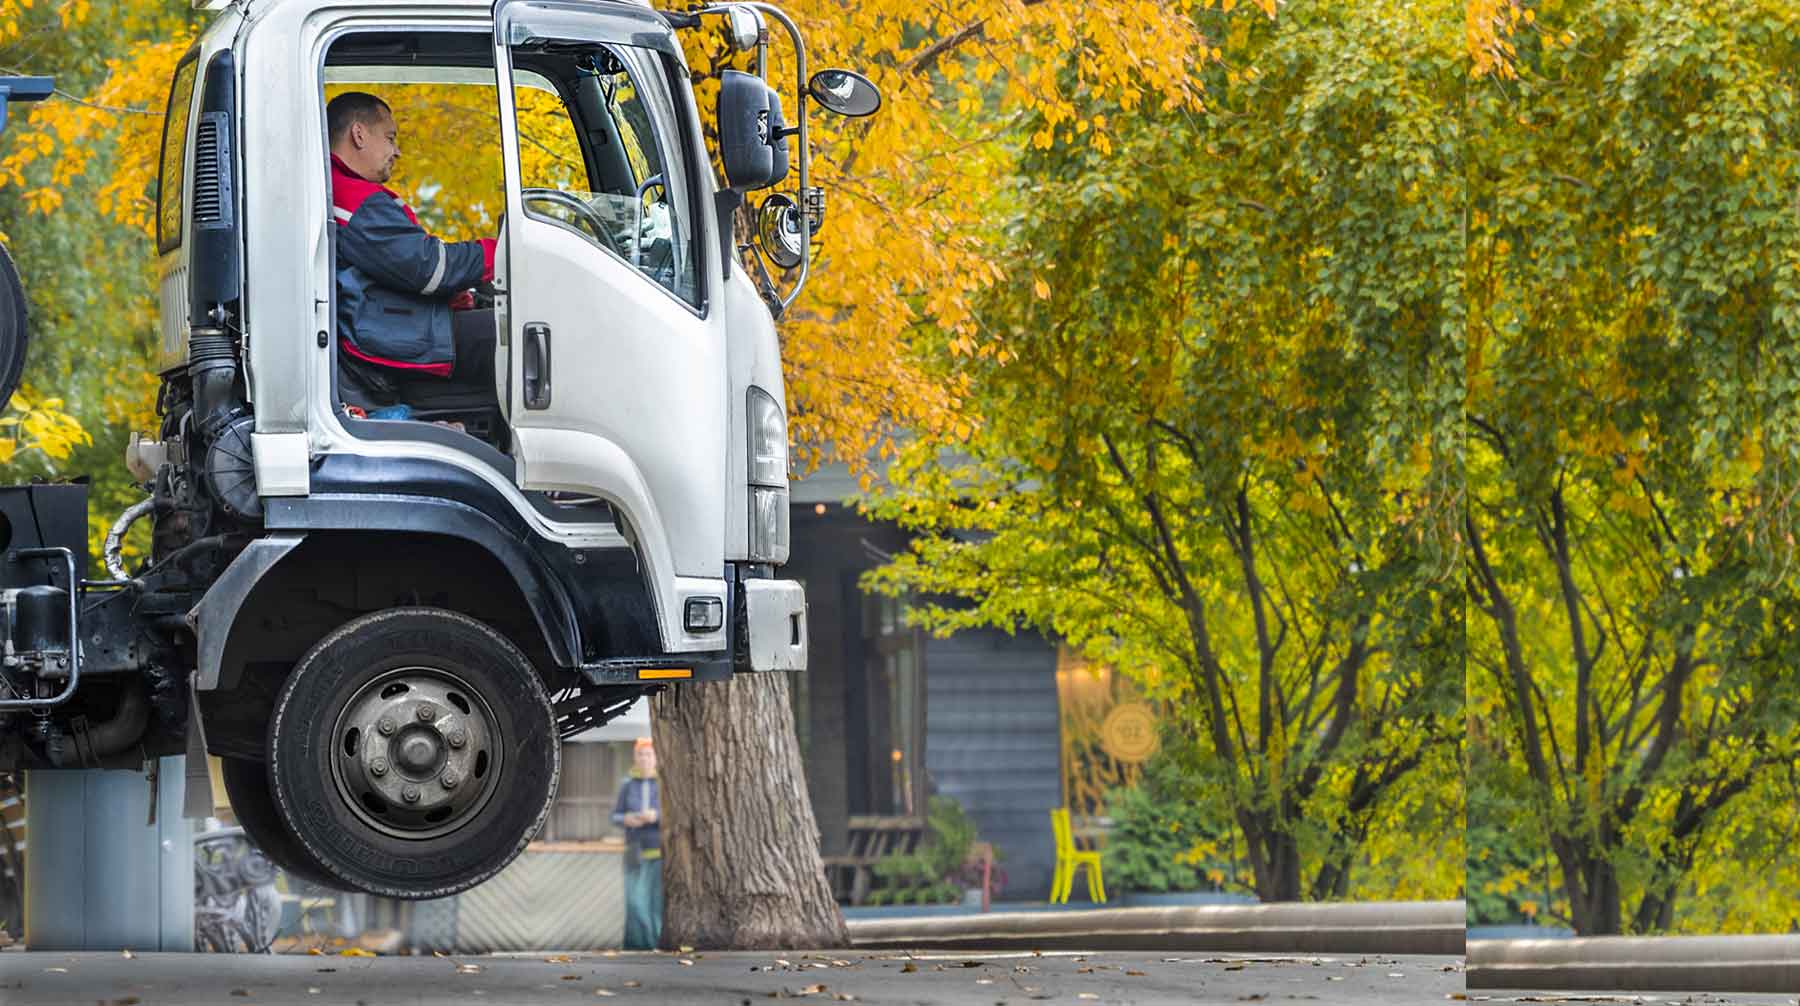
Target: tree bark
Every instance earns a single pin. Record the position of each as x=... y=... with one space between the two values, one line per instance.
x=741 y=866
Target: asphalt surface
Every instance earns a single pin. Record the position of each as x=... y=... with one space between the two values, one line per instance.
x=1012 y=978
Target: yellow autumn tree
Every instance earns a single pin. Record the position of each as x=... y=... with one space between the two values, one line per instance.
x=908 y=241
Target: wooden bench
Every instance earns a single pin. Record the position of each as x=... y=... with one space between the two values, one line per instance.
x=870 y=839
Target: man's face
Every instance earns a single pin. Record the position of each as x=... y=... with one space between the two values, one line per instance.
x=645 y=757
x=377 y=147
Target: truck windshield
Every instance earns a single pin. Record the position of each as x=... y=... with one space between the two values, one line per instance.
x=630 y=194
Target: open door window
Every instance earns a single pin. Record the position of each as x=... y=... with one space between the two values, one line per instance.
x=596 y=149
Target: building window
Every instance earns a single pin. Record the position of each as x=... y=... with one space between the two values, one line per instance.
x=896 y=709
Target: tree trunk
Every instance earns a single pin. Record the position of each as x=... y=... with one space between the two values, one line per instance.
x=1596 y=911
x=1279 y=877
x=741 y=866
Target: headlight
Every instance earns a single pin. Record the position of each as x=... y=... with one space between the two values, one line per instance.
x=768 y=440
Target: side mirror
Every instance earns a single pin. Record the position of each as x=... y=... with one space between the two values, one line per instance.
x=752 y=134
x=743 y=28
x=778 y=231
x=845 y=92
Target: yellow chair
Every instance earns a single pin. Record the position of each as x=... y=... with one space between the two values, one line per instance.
x=1069 y=859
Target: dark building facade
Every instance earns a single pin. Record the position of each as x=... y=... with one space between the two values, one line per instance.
x=888 y=716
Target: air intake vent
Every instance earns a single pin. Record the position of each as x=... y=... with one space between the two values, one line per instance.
x=212 y=171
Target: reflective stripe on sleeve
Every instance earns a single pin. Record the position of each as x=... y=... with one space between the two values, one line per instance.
x=437 y=275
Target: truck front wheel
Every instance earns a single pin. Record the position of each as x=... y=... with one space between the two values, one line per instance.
x=413 y=753
x=247 y=787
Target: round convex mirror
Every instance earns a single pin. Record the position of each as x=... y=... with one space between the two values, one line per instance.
x=778 y=225
x=845 y=92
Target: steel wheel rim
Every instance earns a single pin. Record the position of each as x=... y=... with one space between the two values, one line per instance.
x=416 y=753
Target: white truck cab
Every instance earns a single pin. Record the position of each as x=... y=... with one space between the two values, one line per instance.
x=383 y=626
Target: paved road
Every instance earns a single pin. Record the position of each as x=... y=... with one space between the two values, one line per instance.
x=725 y=979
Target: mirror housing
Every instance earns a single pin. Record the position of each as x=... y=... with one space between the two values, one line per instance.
x=743 y=28
x=752 y=134
x=845 y=92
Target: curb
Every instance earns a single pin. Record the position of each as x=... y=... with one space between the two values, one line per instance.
x=1405 y=927
x=1639 y=963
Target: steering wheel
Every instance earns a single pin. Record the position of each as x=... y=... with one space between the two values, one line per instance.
x=583 y=212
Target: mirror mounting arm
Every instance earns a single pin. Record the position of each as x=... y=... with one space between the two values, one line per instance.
x=798 y=130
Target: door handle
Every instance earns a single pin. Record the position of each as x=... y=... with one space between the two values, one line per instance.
x=537 y=365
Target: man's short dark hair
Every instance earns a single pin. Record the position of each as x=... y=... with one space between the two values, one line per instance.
x=352 y=107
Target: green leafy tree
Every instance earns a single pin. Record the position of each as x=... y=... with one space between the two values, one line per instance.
x=1219 y=449
x=1634 y=276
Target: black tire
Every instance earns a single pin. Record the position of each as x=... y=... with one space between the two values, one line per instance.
x=14 y=335
x=247 y=786
x=361 y=697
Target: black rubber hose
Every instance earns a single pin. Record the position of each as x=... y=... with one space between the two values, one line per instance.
x=111 y=736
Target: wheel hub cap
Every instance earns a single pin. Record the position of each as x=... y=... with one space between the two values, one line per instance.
x=416 y=752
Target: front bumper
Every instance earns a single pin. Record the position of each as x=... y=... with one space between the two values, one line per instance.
x=775 y=625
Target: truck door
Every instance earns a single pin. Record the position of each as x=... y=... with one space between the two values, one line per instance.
x=613 y=344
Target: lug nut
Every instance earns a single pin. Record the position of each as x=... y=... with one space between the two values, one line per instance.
x=410 y=794
x=379 y=766
x=458 y=737
x=427 y=714
x=387 y=726
x=450 y=779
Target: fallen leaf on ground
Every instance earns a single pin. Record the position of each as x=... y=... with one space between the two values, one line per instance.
x=127 y=954
x=605 y=992
x=326 y=971
x=908 y=968
x=356 y=952
x=984 y=981
x=1135 y=974
x=842 y=964
x=559 y=959
x=844 y=997
x=1086 y=995
x=245 y=993
x=125 y=1001
x=812 y=990
x=571 y=978
x=633 y=984
x=468 y=969
x=315 y=952
x=312 y=990
x=684 y=962
x=686 y=950
x=57 y=971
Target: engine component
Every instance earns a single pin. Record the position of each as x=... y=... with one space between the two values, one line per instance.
x=40 y=624
x=231 y=470
x=115 y=538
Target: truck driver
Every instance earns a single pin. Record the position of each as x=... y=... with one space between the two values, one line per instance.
x=403 y=295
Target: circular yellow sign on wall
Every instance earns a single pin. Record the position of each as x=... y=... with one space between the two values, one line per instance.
x=1129 y=733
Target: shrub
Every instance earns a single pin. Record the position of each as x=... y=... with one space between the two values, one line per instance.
x=1160 y=839
x=935 y=872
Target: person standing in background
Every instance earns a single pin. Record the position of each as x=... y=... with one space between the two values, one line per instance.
x=639 y=811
